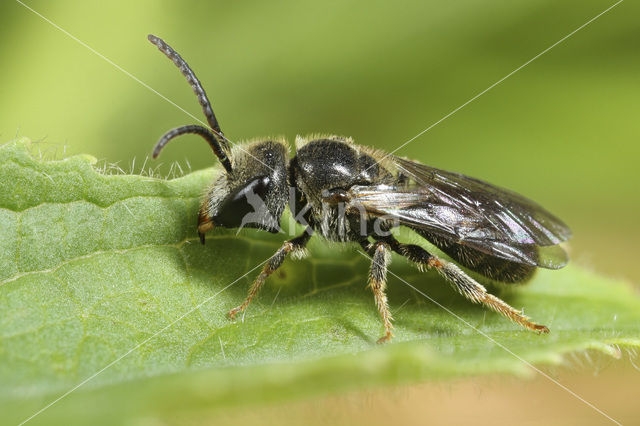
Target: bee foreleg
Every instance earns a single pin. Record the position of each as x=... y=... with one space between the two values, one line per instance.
x=381 y=257
x=463 y=283
x=295 y=246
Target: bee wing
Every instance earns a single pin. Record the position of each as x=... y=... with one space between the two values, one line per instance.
x=470 y=212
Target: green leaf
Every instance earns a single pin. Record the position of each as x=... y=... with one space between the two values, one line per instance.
x=92 y=265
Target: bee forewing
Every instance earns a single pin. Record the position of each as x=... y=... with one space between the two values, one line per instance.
x=512 y=216
x=469 y=212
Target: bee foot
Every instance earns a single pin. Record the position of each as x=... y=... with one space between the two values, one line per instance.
x=386 y=338
x=232 y=313
x=540 y=329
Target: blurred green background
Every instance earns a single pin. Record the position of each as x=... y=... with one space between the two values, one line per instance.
x=563 y=130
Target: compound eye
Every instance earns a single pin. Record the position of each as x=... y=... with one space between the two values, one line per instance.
x=245 y=206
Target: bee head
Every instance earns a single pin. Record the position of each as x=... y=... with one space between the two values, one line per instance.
x=253 y=193
x=253 y=189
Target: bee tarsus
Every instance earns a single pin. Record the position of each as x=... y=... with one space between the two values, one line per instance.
x=295 y=245
x=380 y=253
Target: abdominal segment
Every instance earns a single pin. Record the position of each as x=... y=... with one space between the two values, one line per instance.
x=489 y=266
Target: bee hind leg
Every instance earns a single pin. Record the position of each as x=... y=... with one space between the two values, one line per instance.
x=463 y=283
x=380 y=253
x=295 y=246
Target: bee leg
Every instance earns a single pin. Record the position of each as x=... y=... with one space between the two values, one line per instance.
x=381 y=257
x=295 y=246
x=463 y=283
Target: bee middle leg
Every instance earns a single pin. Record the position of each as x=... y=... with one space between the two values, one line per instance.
x=380 y=253
x=462 y=283
x=296 y=245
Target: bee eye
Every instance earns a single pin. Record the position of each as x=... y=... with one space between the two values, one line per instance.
x=246 y=200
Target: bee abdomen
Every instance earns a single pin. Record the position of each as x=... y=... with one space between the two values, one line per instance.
x=489 y=266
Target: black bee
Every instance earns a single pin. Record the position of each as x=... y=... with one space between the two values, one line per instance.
x=354 y=194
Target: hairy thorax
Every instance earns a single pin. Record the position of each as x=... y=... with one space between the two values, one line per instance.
x=324 y=168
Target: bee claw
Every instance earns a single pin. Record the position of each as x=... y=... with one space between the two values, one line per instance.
x=232 y=313
x=385 y=339
x=541 y=329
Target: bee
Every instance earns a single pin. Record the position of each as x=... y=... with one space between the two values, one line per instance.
x=354 y=194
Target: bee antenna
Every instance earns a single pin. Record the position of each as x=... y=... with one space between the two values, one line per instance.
x=198 y=130
x=197 y=89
